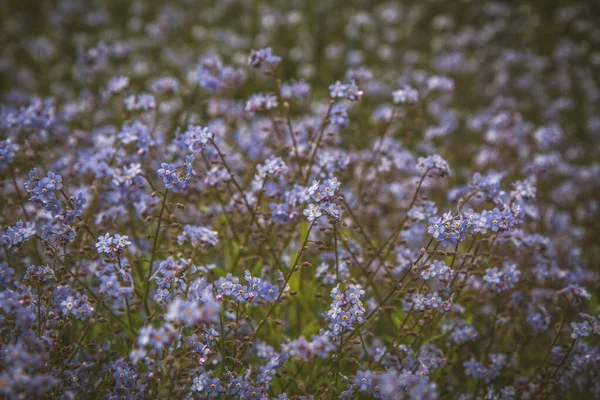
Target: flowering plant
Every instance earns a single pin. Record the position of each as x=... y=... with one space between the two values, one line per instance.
x=242 y=200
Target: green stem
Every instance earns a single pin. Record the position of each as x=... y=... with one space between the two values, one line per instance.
x=318 y=144
x=281 y=289
x=337 y=366
x=19 y=196
x=337 y=261
x=154 y=246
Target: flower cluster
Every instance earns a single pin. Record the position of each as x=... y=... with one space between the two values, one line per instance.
x=346 y=310
x=348 y=91
x=108 y=244
x=194 y=139
x=213 y=76
x=405 y=95
x=323 y=194
x=198 y=235
x=256 y=288
x=261 y=102
x=42 y=191
x=7 y=152
x=19 y=233
x=177 y=178
x=503 y=280
x=264 y=59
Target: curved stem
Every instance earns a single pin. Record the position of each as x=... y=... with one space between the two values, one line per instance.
x=337 y=261
x=19 y=196
x=337 y=365
x=281 y=289
x=154 y=245
x=318 y=144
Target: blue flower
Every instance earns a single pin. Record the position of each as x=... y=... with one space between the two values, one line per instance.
x=78 y=203
x=440 y=83
x=436 y=227
x=489 y=185
x=261 y=102
x=44 y=191
x=141 y=102
x=241 y=293
x=352 y=92
x=494 y=220
x=120 y=242
x=280 y=213
x=493 y=276
x=332 y=210
x=405 y=95
x=122 y=374
x=187 y=312
x=19 y=233
x=449 y=239
x=433 y=300
x=213 y=387
x=538 y=322
x=7 y=152
x=312 y=212
x=197 y=384
x=475 y=369
x=354 y=293
x=297 y=90
x=580 y=329
x=337 y=90
x=174 y=178
x=54 y=207
x=465 y=332
x=434 y=164
x=198 y=235
x=165 y=85
x=194 y=139
x=264 y=59
x=273 y=166
x=339 y=116
x=363 y=381
x=104 y=244
x=443 y=272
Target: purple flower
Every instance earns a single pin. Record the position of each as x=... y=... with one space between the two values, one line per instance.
x=264 y=59
x=104 y=243
x=312 y=212
x=405 y=95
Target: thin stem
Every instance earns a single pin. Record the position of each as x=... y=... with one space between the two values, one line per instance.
x=558 y=367
x=70 y=203
x=66 y=363
x=395 y=337
x=554 y=341
x=288 y=121
x=318 y=144
x=186 y=118
x=245 y=200
x=19 y=196
x=237 y=185
x=98 y=299
x=154 y=246
x=487 y=351
x=393 y=237
x=392 y=292
x=39 y=309
x=292 y=135
x=368 y=240
x=337 y=366
x=22 y=203
x=281 y=289
x=337 y=261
